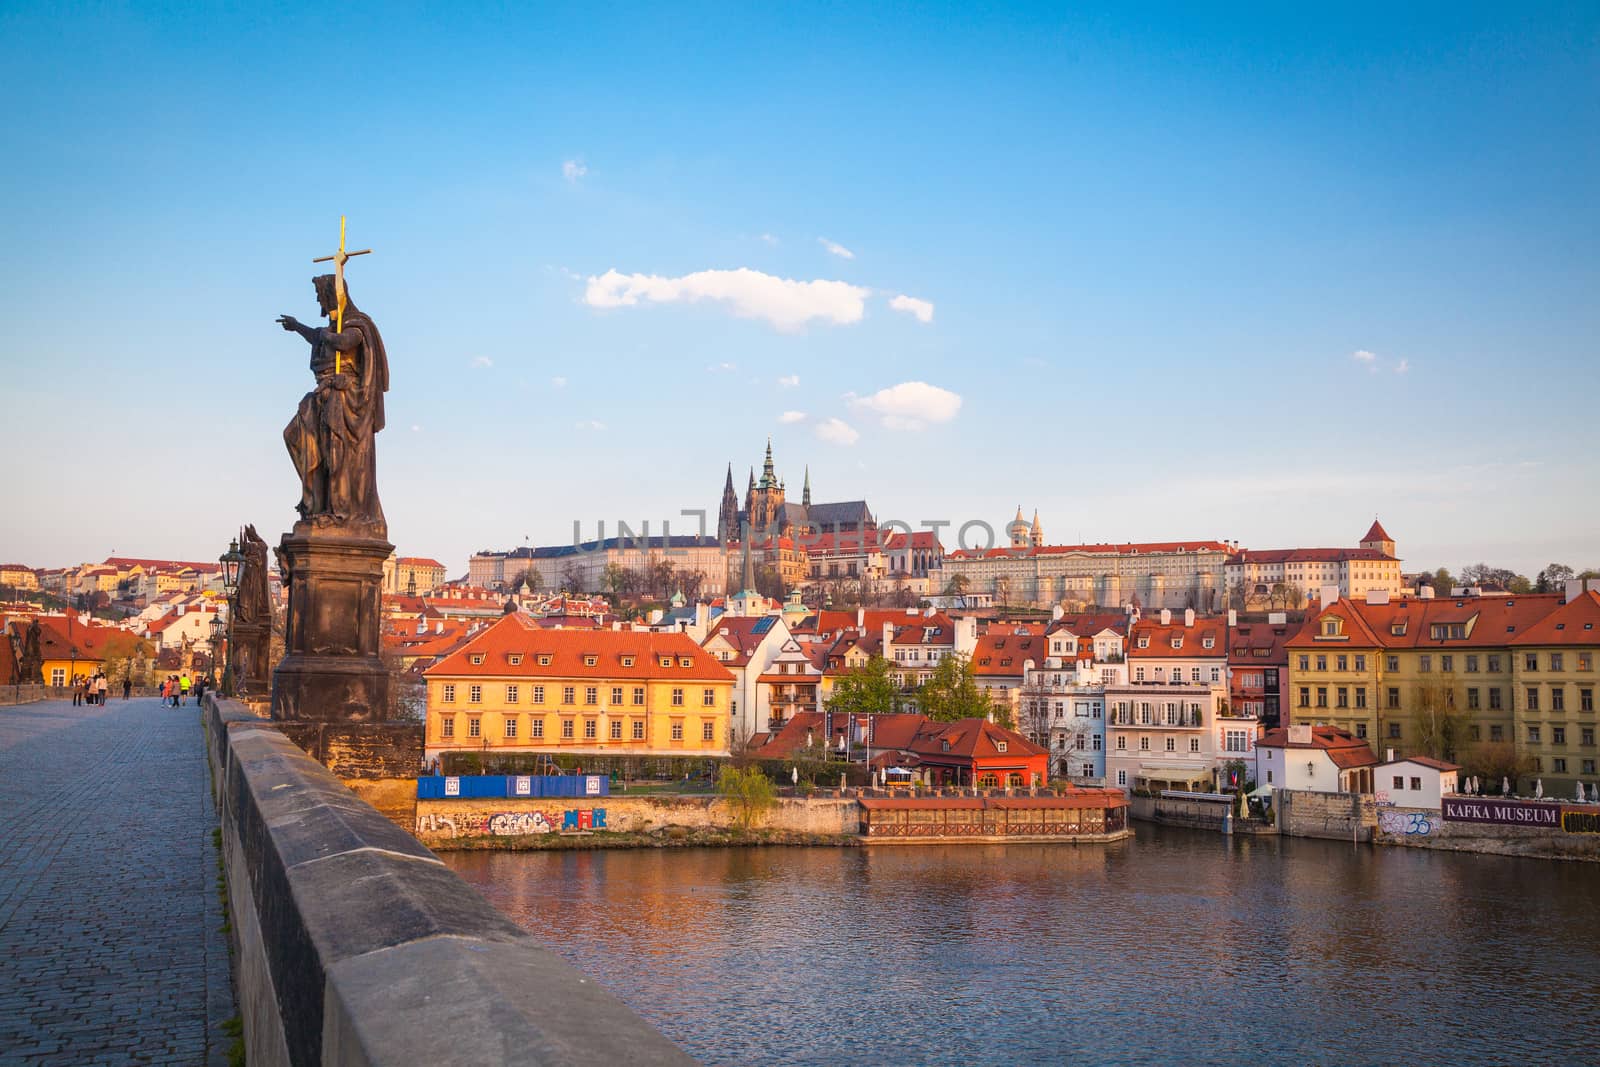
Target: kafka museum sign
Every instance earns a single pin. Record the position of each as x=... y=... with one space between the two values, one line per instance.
x=1501 y=812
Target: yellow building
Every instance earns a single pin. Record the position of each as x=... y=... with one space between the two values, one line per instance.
x=70 y=650
x=1554 y=681
x=18 y=576
x=1388 y=670
x=518 y=687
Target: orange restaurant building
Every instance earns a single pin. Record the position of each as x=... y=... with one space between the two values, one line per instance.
x=518 y=687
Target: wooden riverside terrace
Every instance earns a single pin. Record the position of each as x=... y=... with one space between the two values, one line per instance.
x=1096 y=814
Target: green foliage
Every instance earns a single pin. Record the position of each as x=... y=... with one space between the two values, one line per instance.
x=952 y=692
x=1553 y=578
x=748 y=792
x=865 y=690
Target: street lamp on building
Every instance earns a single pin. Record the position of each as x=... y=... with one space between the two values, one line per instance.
x=216 y=653
x=231 y=561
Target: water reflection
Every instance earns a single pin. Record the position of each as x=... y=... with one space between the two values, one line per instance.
x=1176 y=946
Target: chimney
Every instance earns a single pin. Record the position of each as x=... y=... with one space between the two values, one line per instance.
x=702 y=616
x=1166 y=616
x=888 y=638
x=1277 y=618
x=1377 y=596
x=861 y=619
x=1328 y=594
x=1188 y=617
x=1388 y=755
x=1300 y=733
x=1233 y=618
x=1425 y=593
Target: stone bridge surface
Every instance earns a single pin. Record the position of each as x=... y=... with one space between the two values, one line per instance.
x=111 y=942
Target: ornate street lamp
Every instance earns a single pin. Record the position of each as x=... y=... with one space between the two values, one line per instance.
x=231 y=560
x=216 y=652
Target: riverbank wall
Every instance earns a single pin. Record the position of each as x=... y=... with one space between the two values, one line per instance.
x=451 y=823
x=1334 y=816
x=1196 y=814
x=22 y=694
x=353 y=944
x=1426 y=828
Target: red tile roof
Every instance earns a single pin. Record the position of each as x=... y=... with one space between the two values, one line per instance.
x=1125 y=549
x=1343 y=748
x=971 y=738
x=420 y=561
x=568 y=649
x=1004 y=655
x=1193 y=638
x=1312 y=555
x=1573 y=623
x=1408 y=622
x=1377 y=532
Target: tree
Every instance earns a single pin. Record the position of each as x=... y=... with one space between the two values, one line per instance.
x=1440 y=729
x=1553 y=579
x=952 y=692
x=528 y=575
x=1442 y=582
x=1481 y=574
x=1495 y=761
x=956 y=586
x=122 y=655
x=865 y=690
x=748 y=792
x=614 y=580
x=572 y=579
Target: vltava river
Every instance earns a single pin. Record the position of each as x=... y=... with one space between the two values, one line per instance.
x=1176 y=947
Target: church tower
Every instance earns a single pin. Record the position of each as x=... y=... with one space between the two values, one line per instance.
x=1378 y=538
x=728 y=513
x=1036 y=535
x=805 y=491
x=1018 y=530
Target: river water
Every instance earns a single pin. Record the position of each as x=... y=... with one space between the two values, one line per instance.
x=1178 y=946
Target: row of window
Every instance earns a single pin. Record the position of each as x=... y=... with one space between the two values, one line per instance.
x=591 y=729
x=569 y=695
x=1558 y=735
x=1558 y=765
x=1083 y=709
x=1472 y=662
x=1195 y=675
x=1172 y=744
x=1356 y=697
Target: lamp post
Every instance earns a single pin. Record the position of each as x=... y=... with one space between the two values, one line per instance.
x=219 y=672
x=231 y=561
x=72 y=671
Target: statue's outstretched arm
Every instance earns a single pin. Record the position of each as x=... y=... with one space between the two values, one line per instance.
x=289 y=322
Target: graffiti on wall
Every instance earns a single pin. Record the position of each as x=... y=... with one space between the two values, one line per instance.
x=1405 y=823
x=509 y=823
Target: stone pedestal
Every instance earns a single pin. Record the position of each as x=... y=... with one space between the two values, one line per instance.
x=251 y=656
x=331 y=670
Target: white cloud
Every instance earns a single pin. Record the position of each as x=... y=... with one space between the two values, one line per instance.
x=784 y=302
x=922 y=309
x=415 y=428
x=1403 y=366
x=726 y=368
x=836 y=249
x=792 y=416
x=910 y=405
x=573 y=169
x=482 y=361
x=1361 y=355
x=590 y=424
x=558 y=382
x=789 y=381
x=837 y=432
x=769 y=239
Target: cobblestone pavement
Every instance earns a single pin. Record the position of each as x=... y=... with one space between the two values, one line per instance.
x=111 y=948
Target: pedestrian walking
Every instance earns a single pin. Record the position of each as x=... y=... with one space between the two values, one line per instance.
x=177 y=692
x=127 y=686
x=100 y=690
x=77 y=690
x=183 y=689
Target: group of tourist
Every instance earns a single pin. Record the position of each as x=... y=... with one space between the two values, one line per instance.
x=89 y=689
x=175 y=687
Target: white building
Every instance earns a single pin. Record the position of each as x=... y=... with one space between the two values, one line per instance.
x=747 y=646
x=1063 y=708
x=1292 y=576
x=1169 y=724
x=1322 y=759
x=1416 y=782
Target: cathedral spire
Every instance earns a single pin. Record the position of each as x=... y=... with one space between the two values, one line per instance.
x=768 y=479
x=728 y=513
x=805 y=493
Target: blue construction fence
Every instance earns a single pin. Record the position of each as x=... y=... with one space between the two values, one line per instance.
x=472 y=786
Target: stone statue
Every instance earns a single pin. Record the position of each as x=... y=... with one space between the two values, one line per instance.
x=30 y=664
x=331 y=438
x=251 y=622
x=254 y=599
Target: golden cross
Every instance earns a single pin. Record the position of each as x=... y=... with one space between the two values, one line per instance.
x=339 y=259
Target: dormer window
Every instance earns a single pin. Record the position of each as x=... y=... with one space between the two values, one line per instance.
x=544 y=660
x=627 y=661
x=685 y=661
x=999 y=746
x=1398 y=629
x=666 y=661
x=944 y=746
x=1177 y=642
x=1144 y=642
x=1331 y=627
x=515 y=658
x=477 y=659
x=1208 y=642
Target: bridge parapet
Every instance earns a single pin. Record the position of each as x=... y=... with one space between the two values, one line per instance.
x=355 y=945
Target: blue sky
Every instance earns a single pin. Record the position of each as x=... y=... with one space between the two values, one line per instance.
x=1154 y=243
